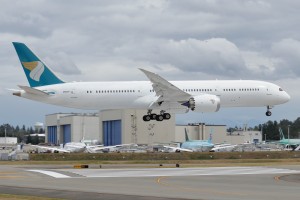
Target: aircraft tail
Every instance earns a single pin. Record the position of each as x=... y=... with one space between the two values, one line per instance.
x=186 y=135
x=210 y=136
x=37 y=73
x=281 y=134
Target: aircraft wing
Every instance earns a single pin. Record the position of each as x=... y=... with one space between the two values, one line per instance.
x=178 y=149
x=165 y=90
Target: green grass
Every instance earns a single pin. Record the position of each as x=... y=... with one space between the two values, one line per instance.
x=154 y=160
x=164 y=156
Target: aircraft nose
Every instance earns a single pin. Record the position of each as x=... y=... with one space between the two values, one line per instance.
x=286 y=97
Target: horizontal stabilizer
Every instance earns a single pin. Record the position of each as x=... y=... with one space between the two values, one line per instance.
x=33 y=90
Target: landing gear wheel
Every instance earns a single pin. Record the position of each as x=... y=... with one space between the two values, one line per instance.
x=166 y=116
x=146 y=118
x=268 y=113
x=153 y=116
x=159 y=118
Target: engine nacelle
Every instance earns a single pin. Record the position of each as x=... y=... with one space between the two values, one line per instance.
x=204 y=103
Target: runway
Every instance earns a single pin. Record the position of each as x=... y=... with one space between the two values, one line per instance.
x=157 y=172
x=243 y=183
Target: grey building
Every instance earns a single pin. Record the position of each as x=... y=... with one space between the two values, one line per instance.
x=114 y=127
x=62 y=128
x=108 y=127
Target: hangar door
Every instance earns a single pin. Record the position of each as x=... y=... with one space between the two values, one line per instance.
x=52 y=134
x=112 y=132
x=66 y=133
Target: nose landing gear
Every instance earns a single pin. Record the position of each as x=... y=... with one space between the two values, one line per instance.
x=269 y=113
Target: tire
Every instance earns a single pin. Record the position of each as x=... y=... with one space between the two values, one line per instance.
x=159 y=118
x=153 y=116
x=167 y=116
x=146 y=118
x=268 y=113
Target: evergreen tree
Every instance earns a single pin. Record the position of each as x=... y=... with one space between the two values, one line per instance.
x=35 y=139
x=29 y=140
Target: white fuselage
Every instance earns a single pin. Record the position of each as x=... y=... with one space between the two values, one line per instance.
x=140 y=94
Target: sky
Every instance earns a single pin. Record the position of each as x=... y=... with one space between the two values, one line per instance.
x=109 y=40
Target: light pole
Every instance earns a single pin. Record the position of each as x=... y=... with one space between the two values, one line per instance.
x=289 y=133
x=5 y=136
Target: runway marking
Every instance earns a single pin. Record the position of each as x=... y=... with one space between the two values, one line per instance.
x=179 y=172
x=50 y=173
x=165 y=172
x=162 y=172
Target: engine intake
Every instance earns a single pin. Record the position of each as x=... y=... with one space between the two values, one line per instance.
x=204 y=103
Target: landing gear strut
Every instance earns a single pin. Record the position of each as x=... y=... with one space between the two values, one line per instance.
x=152 y=116
x=268 y=113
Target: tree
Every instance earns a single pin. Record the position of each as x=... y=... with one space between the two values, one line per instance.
x=29 y=139
x=35 y=139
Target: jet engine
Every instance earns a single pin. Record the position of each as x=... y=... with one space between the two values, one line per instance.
x=204 y=103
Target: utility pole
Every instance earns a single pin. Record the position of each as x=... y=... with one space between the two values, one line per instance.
x=289 y=133
x=5 y=136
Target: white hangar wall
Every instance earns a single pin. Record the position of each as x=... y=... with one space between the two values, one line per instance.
x=135 y=130
x=113 y=127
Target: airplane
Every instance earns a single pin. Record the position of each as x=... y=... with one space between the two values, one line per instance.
x=171 y=149
x=223 y=148
x=70 y=147
x=107 y=149
x=197 y=145
x=294 y=143
x=157 y=94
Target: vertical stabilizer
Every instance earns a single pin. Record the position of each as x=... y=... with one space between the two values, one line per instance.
x=281 y=134
x=37 y=73
x=186 y=135
x=210 y=135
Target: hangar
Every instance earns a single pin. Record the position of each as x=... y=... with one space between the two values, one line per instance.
x=108 y=127
x=114 y=127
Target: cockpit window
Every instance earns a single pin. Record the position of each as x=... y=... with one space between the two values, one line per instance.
x=280 y=89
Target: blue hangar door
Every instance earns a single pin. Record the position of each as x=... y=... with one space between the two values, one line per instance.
x=66 y=133
x=112 y=132
x=52 y=134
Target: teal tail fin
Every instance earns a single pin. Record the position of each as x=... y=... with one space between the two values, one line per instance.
x=37 y=73
x=281 y=134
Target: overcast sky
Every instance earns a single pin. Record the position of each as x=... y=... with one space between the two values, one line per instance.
x=180 y=40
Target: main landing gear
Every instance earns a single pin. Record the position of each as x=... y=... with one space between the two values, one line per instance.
x=268 y=113
x=152 y=116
